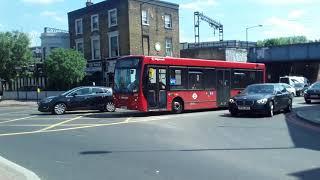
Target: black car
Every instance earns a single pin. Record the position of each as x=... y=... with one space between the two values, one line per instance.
x=80 y=98
x=261 y=98
x=312 y=93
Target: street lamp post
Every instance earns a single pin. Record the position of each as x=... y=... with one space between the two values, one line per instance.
x=247 y=29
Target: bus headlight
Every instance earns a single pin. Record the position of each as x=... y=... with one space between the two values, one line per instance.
x=262 y=101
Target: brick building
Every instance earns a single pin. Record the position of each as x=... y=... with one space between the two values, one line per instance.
x=113 y=28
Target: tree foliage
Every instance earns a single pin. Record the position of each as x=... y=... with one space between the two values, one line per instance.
x=14 y=52
x=282 y=41
x=65 y=68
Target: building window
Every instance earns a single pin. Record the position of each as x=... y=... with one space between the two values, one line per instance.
x=112 y=17
x=94 y=22
x=145 y=17
x=79 y=27
x=168 y=47
x=95 y=47
x=79 y=46
x=168 y=21
x=114 y=44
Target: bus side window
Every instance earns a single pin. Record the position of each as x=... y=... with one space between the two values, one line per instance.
x=238 y=79
x=178 y=78
x=210 y=79
x=259 y=77
x=195 y=79
x=242 y=78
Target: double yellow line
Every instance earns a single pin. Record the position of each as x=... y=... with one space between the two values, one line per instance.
x=50 y=128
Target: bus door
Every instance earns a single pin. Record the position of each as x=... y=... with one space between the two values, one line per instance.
x=223 y=87
x=157 y=88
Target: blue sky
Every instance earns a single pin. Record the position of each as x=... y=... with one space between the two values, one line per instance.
x=278 y=17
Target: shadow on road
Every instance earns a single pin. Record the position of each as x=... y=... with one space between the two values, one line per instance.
x=311 y=174
x=248 y=115
x=143 y=114
x=182 y=150
x=304 y=134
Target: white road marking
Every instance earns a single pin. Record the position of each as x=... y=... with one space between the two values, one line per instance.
x=19 y=119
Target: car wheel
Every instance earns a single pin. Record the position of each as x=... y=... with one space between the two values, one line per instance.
x=177 y=106
x=59 y=108
x=289 y=108
x=271 y=109
x=110 y=107
x=292 y=94
x=308 y=101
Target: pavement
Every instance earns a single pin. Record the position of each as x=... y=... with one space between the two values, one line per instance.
x=12 y=171
x=310 y=115
x=159 y=146
x=310 y=112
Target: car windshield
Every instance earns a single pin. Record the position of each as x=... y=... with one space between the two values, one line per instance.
x=316 y=86
x=127 y=73
x=259 y=89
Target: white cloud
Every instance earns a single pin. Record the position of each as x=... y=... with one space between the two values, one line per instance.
x=35 y=38
x=43 y=2
x=282 y=27
x=54 y=15
x=294 y=14
x=199 y=5
x=285 y=2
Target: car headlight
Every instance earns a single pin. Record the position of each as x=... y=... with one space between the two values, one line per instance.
x=47 y=100
x=262 y=101
x=231 y=101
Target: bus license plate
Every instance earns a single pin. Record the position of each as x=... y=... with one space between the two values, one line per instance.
x=124 y=107
x=245 y=108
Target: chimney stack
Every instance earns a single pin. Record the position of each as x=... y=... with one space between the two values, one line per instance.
x=89 y=3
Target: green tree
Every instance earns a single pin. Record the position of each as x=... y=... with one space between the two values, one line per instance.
x=282 y=41
x=14 y=52
x=65 y=68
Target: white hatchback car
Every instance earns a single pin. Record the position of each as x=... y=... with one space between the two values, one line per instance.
x=289 y=88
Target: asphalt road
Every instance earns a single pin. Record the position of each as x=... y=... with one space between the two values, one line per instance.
x=202 y=145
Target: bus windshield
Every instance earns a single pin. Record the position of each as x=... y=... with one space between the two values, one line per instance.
x=127 y=73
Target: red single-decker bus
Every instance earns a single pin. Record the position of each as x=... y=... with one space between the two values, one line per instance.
x=148 y=83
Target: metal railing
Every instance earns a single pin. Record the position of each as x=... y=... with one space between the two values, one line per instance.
x=219 y=44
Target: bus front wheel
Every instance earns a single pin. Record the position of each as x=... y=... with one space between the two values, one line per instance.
x=177 y=106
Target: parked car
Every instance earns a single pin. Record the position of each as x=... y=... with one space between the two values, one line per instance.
x=262 y=99
x=289 y=88
x=292 y=80
x=312 y=93
x=300 y=88
x=80 y=98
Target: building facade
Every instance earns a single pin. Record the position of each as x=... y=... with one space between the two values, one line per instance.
x=110 y=29
x=53 y=38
